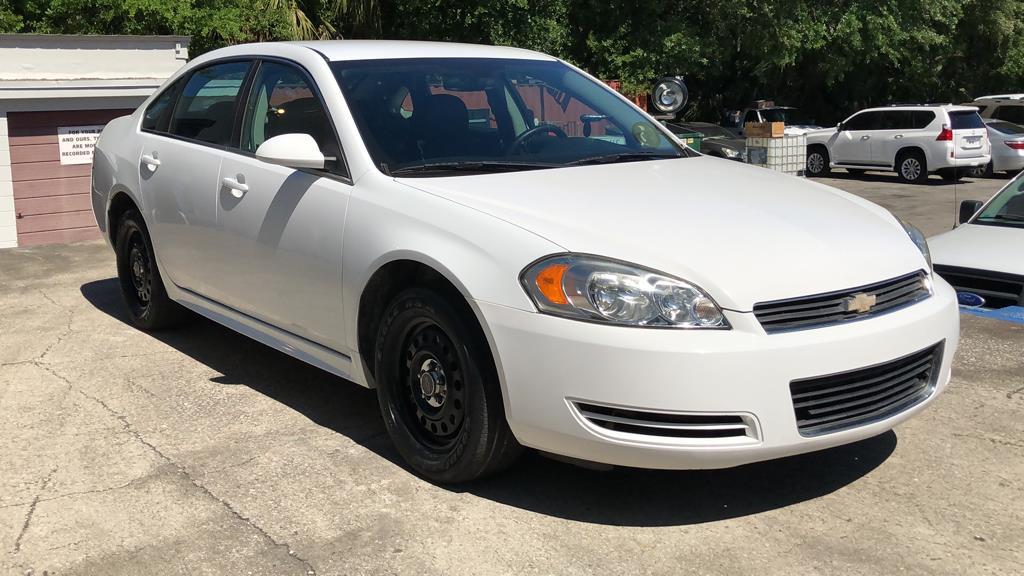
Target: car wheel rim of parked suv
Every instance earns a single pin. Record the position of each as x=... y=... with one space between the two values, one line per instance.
x=815 y=162
x=910 y=168
x=435 y=392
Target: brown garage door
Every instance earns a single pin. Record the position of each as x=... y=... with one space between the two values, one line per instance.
x=51 y=200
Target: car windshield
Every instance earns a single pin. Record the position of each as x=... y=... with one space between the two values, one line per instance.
x=1007 y=208
x=788 y=116
x=1006 y=127
x=436 y=116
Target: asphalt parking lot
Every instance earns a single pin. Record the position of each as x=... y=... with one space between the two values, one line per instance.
x=198 y=451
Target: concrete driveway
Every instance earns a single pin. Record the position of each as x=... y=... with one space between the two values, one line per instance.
x=198 y=451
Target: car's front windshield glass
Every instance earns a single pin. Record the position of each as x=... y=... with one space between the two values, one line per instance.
x=788 y=116
x=1007 y=208
x=435 y=116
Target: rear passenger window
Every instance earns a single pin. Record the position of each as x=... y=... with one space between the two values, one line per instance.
x=896 y=120
x=206 y=108
x=920 y=119
x=1013 y=114
x=159 y=111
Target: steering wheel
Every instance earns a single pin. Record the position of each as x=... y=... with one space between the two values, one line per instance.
x=521 y=140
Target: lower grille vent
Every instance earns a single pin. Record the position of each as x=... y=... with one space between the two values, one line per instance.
x=666 y=424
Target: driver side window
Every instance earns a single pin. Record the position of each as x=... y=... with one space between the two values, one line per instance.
x=283 y=102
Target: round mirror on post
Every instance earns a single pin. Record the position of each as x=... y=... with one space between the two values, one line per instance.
x=669 y=95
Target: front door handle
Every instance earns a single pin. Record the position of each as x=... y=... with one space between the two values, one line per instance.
x=898 y=136
x=238 y=189
x=865 y=137
x=151 y=161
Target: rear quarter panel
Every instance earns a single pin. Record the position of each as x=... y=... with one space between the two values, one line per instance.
x=115 y=168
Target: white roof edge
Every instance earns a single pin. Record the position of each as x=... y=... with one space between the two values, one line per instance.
x=1001 y=97
x=393 y=49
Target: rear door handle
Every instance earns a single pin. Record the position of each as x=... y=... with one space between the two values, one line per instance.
x=238 y=189
x=865 y=137
x=898 y=136
x=151 y=161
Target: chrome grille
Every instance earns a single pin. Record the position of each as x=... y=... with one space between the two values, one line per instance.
x=998 y=289
x=843 y=305
x=848 y=399
x=666 y=424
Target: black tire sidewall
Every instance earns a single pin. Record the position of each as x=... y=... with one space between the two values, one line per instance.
x=161 y=310
x=922 y=177
x=824 y=162
x=470 y=456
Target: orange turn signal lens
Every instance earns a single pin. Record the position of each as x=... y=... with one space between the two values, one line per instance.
x=549 y=282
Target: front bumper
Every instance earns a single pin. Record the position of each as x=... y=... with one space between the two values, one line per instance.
x=549 y=365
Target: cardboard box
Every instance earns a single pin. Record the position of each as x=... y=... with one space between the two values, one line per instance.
x=764 y=129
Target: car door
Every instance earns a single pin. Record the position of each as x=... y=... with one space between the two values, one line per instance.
x=852 y=144
x=279 y=230
x=896 y=130
x=179 y=165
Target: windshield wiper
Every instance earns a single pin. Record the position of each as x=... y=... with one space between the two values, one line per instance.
x=478 y=166
x=1010 y=217
x=622 y=157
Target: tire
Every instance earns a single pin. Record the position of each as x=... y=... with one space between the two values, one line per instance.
x=438 y=390
x=856 y=171
x=149 y=307
x=911 y=167
x=988 y=171
x=817 y=162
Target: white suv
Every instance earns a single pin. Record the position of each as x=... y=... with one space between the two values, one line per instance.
x=912 y=140
x=1008 y=107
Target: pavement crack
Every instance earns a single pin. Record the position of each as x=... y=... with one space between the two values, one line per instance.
x=1013 y=393
x=64 y=334
x=131 y=431
x=32 y=510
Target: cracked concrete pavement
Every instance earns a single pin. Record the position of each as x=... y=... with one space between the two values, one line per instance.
x=198 y=451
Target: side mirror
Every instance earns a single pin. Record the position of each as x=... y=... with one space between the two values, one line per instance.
x=293 y=151
x=840 y=127
x=969 y=208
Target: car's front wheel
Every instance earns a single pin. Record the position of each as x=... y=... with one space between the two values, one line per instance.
x=817 y=161
x=438 y=390
x=149 y=307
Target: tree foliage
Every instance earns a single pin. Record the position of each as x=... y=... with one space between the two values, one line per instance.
x=828 y=56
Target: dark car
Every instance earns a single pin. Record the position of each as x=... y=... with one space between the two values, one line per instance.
x=717 y=140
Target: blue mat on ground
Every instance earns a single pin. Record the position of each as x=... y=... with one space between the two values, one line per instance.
x=1009 y=314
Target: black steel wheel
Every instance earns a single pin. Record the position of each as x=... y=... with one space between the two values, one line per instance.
x=149 y=307
x=438 y=389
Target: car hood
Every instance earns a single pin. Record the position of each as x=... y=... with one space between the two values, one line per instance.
x=744 y=234
x=995 y=248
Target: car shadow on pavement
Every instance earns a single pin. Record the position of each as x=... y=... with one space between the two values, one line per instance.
x=892 y=178
x=622 y=496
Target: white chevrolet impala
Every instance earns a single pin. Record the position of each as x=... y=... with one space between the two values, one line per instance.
x=514 y=255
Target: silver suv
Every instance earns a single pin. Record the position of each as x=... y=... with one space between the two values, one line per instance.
x=913 y=141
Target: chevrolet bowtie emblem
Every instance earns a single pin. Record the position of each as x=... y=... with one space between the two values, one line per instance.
x=860 y=302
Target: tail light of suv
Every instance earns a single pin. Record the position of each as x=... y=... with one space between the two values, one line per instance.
x=946 y=135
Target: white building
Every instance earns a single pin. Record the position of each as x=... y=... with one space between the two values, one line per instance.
x=56 y=92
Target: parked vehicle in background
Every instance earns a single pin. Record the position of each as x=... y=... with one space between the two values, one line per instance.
x=717 y=140
x=1007 y=141
x=981 y=257
x=1008 y=107
x=914 y=141
x=767 y=111
x=517 y=282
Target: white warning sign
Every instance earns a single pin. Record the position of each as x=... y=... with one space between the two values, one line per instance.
x=76 y=143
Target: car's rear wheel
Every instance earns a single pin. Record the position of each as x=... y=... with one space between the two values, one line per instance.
x=912 y=168
x=817 y=161
x=438 y=390
x=149 y=307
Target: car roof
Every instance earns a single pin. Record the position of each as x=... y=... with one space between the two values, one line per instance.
x=901 y=107
x=336 y=50
x=1000 y=97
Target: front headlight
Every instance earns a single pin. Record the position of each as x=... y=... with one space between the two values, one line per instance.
x=919 y=240
x=595 y=289
x=730 y=153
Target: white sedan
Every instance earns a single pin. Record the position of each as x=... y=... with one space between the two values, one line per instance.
x=981 y=257
x=1007 y=147
x=515 y=255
